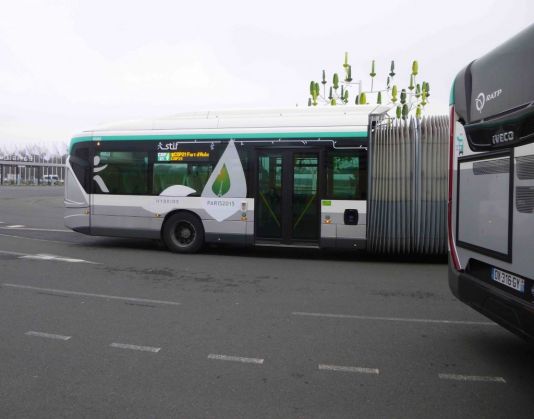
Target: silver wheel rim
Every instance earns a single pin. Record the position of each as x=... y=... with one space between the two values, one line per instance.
x=184 y=234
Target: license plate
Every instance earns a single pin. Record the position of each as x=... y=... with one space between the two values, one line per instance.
x=507 y=279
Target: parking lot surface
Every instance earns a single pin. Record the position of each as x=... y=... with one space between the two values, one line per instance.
x=109 y=327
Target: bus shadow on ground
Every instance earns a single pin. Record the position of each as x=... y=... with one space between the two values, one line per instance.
x=320 y=254
x=508 y=351
x=273 y=252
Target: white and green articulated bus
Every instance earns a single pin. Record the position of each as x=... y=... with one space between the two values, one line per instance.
x=491 y=185
x=288 y=177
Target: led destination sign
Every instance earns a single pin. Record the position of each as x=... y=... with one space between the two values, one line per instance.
x=184 y=156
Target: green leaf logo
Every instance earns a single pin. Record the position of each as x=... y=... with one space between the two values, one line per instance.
x=221 y=185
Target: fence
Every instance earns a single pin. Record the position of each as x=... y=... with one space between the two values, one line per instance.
x=408 y=187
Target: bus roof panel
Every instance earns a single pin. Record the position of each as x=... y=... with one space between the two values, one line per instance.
x=255 y=118
x=498 y=81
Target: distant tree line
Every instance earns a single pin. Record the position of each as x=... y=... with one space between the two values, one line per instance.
x=42 y=152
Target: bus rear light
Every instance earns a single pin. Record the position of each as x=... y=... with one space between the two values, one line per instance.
x=452 y=247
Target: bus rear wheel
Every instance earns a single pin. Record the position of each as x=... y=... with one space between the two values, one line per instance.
x=183 y=233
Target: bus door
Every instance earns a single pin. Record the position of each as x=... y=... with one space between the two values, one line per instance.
x=287 y=196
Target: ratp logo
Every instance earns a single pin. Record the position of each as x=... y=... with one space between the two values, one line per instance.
x=480 y=101
x=483 y=98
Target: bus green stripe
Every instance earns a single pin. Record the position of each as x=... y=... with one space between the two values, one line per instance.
x=178 y=137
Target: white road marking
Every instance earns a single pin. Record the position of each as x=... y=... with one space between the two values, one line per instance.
x=38 y=240
x=236 y=359
x=349 y=369
x=7 y=252
x=47 y=335
x=87 y=294
x=43 y=256
x=459 y=377
x=135 y=347
x=392 y=319
x=21 y=227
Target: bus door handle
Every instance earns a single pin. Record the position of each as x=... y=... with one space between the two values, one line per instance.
x=351 y=216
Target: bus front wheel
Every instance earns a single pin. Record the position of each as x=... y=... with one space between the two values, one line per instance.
x=183 y=233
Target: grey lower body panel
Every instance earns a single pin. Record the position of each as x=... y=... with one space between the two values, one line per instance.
x=132 y=224
x=77 y=218
x=225 y=238
x=343 y=243
x=82 y=230
x=126 y=233
x=125 y=226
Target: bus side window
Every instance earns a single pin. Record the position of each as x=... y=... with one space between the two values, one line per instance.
x=192 y=174
x=346 y=176
x=121 y=172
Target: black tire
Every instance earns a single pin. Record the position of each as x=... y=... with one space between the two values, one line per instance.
x=183 y=233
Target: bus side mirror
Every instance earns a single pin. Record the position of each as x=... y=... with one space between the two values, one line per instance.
x=351 y=216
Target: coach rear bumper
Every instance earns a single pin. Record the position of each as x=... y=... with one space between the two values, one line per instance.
x=507 y=310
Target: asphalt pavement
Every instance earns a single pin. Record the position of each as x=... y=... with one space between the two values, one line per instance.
x=106 y=327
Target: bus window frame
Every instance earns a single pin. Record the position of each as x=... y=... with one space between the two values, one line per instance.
x=509 y=153
x=363 y=162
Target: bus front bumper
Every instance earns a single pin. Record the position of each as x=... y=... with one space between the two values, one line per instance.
x=507 y=310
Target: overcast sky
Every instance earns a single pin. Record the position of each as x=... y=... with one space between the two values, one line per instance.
x=66 y=66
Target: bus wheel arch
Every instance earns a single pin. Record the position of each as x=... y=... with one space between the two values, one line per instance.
x=183 y=232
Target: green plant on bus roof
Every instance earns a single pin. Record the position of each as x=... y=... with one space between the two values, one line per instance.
x=348 y=74
x=405 y=111
x=423 y=97
x=221 y=185
x=412 y=79
x=394 y=92
x=314 y=92
x=344 y=95
x=403 y=97
x=415 y=68
x=372 y=74
x=426 y=87
x=335 y=81
x=414 y=96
